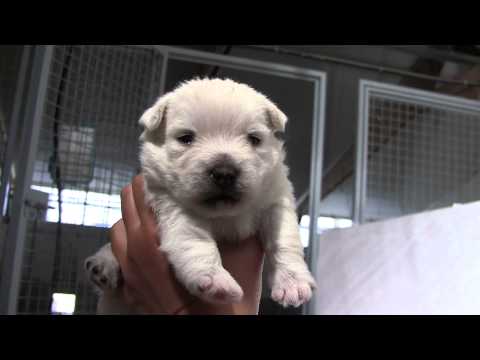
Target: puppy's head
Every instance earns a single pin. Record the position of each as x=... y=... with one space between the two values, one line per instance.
x=213 y=144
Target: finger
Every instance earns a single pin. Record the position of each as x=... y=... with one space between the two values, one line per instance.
x=154 y=269
x=147 y=217
x=155 y=285
x=249 y=247
x=118 y=239
x=139 y=244
x=138 y=301
x=165 y=288
x=130 y=215
x=133 y=280
x=139 y=289
x=142 y=246
x=245 y=263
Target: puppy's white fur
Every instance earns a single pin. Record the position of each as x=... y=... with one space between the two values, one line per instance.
x=222 y=114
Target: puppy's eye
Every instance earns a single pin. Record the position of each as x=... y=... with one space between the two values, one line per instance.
x=186 y=138
x=255 y=140
x=279 y=135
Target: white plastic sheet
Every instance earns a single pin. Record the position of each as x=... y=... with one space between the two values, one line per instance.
x=427 y=263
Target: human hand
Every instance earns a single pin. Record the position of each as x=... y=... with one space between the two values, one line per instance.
x=149 y=281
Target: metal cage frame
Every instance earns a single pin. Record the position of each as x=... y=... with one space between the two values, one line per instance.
x=15 y=241
x=367 y=89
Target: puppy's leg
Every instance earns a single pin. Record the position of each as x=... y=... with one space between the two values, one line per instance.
x=288 y=274
x=103 y=270
x=196 y=260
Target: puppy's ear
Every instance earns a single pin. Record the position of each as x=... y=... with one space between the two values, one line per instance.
x=276 y=119
x=153 y=117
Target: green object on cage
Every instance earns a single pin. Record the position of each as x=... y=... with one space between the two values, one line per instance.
x=76 y=155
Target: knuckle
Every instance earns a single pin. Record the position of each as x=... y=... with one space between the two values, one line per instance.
x=111 y=231
x=137 y=180
x=126 y=190
x=117 y=224
x=151 y=233
x=133 y=251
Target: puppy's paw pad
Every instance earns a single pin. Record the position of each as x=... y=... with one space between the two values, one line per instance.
x=219 y=288
x=290 y=290
x=205 y=283
x=104 y=273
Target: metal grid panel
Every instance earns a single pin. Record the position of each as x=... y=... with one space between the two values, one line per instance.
x=88 y=148
x=95 y=97
x=420 y=151
x=36 y=290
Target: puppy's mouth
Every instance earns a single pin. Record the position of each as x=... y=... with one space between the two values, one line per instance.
x=222 y=199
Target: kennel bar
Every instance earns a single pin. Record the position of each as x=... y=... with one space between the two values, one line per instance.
x=459 y=109
x=12 y=132
x=14 y=242
x=316 y=182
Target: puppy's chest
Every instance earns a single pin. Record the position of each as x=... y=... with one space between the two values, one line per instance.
x=227 y=229
x=233 y=230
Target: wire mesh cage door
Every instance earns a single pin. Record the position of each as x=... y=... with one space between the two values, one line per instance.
x=416 y=151
x=87 y=152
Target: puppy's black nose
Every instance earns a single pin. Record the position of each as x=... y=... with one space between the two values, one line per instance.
x=224 y=176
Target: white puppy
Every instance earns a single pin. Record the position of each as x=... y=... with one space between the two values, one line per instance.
x=214 y=171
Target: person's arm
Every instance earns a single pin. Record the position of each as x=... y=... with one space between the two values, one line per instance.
x=149 y=282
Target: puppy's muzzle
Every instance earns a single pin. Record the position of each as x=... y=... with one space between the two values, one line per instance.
x=224 y=174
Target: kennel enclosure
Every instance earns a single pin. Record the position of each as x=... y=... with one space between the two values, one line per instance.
x=79 y=148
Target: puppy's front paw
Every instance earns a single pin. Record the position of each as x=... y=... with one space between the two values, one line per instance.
x=217 y=287
x=103 y=271
x=292 y=288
